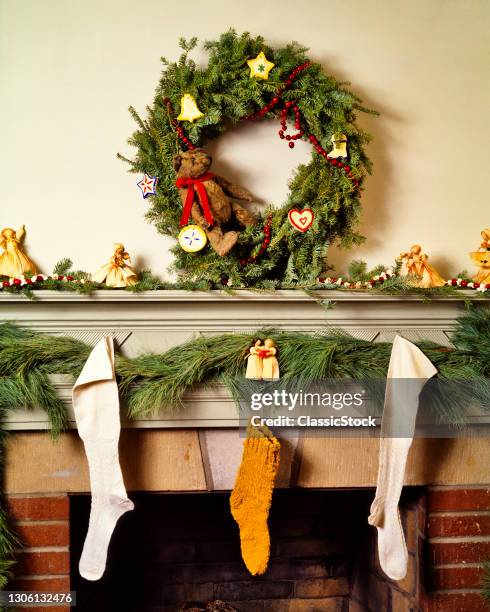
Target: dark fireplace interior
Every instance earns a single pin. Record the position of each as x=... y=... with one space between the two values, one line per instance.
x=180 y=551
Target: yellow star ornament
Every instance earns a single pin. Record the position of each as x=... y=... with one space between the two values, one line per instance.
x=260 y=66
x=188 y=108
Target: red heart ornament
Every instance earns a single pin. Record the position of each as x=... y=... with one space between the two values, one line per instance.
x=301 y=219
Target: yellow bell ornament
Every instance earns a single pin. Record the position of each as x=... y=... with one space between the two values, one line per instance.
x=188 y=109
x=339 y=149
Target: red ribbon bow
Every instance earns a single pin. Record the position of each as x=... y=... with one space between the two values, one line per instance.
x=192 y=184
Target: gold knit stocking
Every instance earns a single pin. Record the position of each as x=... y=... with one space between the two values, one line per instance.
x=251 y=498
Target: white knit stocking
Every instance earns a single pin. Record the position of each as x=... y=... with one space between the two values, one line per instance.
x=96 y=406
x=408 y=371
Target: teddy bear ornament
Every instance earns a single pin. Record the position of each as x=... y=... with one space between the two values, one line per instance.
x=205 y=200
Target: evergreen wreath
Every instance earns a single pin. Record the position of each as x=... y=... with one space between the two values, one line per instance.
x=273 y=253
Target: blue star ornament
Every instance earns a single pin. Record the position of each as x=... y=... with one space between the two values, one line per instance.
x=148 y=185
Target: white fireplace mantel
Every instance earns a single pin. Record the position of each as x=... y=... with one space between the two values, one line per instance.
x=154 y=321
x=198 y=447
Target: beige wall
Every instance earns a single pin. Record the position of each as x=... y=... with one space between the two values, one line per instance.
x=70 y=68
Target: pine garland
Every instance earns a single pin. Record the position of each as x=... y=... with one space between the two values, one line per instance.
x=155 y=382
x=227 y=95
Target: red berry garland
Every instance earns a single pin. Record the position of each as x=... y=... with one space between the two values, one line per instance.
x=277 y=98
x=178 y=128
x=462 y=282
x=264 y=246
x=334 y=162
x=39 y=279
x=297 y=124
x=375 y=280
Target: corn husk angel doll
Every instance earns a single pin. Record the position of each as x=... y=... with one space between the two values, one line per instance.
x=270 y=364
x=254 y=362
x=262 y=363
x=116 y=272
x=482 y=258
x=14 y=261
x=415 y=263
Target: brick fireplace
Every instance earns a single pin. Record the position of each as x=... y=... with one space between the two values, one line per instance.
x=180 y=544
x=182 y=548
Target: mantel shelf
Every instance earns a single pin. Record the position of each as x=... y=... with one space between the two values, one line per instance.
x=237 y=295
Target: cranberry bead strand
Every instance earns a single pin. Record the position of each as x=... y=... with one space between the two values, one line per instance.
x=178 y=128
x=277 y=98
x=265 y=243
x=297 y=123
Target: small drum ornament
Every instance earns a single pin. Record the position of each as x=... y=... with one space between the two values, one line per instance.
x=192 y=238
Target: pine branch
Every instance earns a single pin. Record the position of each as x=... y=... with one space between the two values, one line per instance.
x=62 y=267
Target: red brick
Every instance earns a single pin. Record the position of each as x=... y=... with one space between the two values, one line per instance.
x=42 y=534
x=40 y=563
x=321 y=587
x=424 y=601
x=458 y=500
x=456 y=602
x=39 y=508
x=447 y=578
x=47 y=585
x=467 y=525
x=458 y=552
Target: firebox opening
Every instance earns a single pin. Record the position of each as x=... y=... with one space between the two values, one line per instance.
x=175 y=549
